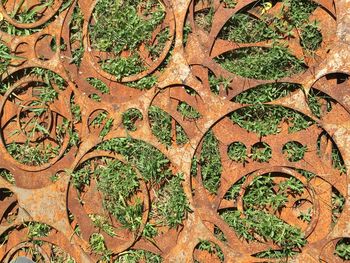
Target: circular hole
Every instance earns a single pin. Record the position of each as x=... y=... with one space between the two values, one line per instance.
x=237 y=152
x=342 y=248
x=261 y=152
x=125 y=53
x=294 y=151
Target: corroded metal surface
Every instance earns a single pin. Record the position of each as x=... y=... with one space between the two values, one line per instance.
x=35 y=197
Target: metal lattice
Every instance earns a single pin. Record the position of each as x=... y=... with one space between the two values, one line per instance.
x=86 y=175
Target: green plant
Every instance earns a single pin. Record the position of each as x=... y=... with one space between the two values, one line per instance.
x=136 y=256
x=237 y=152
x=210 y=161
x=338 y=202
x=98 y=84
x=319 y=103
x=187 y=111
x=118 y=27
x=219 y=83
x=37 y=230
x=342 y=249
x=130 y=117
x=151 y=163
x=294 y=151
x=261 y=63
x=97 y=244
x=267 y=119
x=230 y=3
x=118 y=183
x=311 y=37
x=170 y=203
x=160 y=124
x=263 y=196
x=25 y=15
x=5 y=57
x=261 y=152
x=76 y=36
x=102 y=223
x=181 y=136
x=266 y=93
x=7 y=176
x=212 y=248
x=204 y=18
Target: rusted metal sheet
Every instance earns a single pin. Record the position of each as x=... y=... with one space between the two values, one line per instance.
x=42 y=191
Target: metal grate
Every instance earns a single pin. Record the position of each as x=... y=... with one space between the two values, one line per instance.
x=174 y=131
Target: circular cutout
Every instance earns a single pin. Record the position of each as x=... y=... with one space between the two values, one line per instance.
x=36 y=134
x=128 y=51
x=261 y=152
x=294 y=151
x=237 y=152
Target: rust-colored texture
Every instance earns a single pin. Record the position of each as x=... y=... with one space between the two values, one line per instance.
x=86 y=175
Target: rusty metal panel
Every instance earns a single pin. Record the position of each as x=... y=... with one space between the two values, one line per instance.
x=152 y=147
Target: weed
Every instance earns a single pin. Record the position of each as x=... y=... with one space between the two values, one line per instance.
x=266 y=93
x=7 y=176
x=261 y=194
x=319 y=103
x=76 y=35
x=187 y=111
x=118 y=183
x=98 y=84
x=5 y=57
x=130 y=117
x=149 y=231
x=311 y=37
x=261 y=63
x=342 y=249
x=160 y=124
x=212 y=248
x=151 y=163
x=237 y=152
x=144 y=83
x=243 y=28
x=210 y=161
x=122 y=29
x=31 y=154
x=102 y=223
x=295 y=151
x=229 y=3
x=186 y=32
x=22 y=14
x=181 y=136
x=170 y=203
x=36 y=229
x=204 y=18
x=261 y=152
x=95 y=97
x=267 y=119
x=97 y=244
x=135 y=256
x=338 y=202
x=306 y=217
x=277 y=254
x=118 y=26
x=218 y=83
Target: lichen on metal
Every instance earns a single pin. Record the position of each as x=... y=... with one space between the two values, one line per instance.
x=174 y=131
